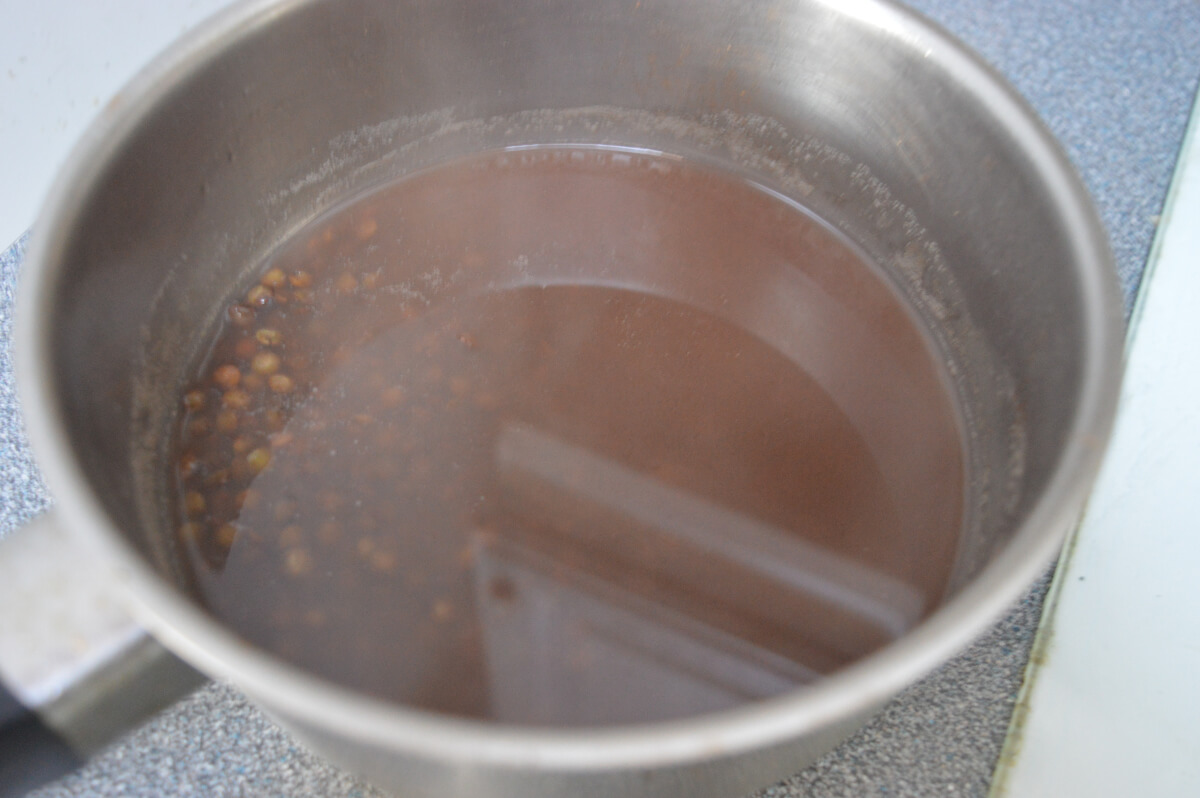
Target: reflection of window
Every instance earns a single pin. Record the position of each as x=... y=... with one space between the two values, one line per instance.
x=584 y=500
x=565 y=648
x=609 y=596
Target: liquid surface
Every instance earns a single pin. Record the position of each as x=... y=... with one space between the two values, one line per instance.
x=572 y=437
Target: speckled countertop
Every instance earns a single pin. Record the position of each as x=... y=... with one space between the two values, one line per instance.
x=1114 y=80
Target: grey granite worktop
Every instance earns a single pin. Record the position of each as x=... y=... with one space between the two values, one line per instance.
x=1114 y=80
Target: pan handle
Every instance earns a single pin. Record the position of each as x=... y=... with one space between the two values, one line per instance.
x=31 y=754
x=76 y=669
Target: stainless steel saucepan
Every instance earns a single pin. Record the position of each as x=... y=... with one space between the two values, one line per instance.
x=279 y=109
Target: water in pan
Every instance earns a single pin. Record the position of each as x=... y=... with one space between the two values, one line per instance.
x=569 y=436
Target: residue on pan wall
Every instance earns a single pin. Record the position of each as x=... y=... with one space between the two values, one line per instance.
x=806 y=170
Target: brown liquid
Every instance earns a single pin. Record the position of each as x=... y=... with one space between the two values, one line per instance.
x=569 y=436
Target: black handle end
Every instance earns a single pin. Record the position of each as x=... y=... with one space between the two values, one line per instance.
x=30 y=754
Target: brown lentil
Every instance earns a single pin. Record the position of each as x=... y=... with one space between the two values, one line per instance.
x=227 y=422
x=274 y=278
x=382 y=561
x=366 y=228
x=241 y=470
x=198 y=428
x=281 y=439
x=236 y=399
x=226 y=535
x=268 y=336
x=265 y=363
x=298 y=562
x=194 y=503
x=240 y=315
x=281 y=383
x=227 y=376
x=259 y=458
x=245 y=348
x=260 y=296
x=443 y=611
